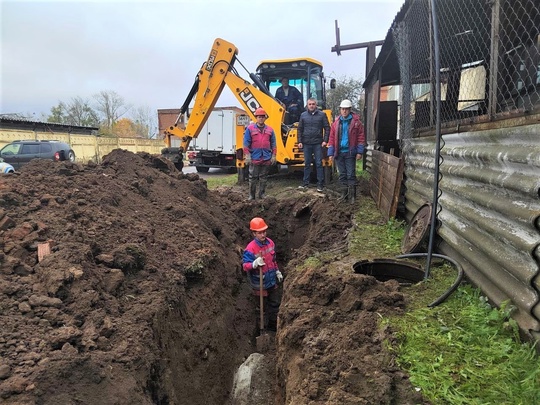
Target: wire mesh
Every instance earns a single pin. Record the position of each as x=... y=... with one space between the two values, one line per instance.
x=490 y=61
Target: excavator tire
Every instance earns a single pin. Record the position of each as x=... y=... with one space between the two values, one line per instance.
x=202 y=169
x=243 y=175
x=328 y=174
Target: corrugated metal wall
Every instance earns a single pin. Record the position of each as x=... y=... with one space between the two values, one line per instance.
x=489 y=219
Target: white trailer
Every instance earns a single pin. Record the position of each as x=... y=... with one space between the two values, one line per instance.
x=216 y=144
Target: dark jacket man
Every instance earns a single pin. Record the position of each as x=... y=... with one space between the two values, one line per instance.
x=311 y=126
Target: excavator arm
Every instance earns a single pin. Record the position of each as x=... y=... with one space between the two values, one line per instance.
x=215 y=73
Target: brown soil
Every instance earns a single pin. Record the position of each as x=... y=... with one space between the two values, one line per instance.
x=142 y=299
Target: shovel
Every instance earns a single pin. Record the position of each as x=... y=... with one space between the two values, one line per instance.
x=263 y=340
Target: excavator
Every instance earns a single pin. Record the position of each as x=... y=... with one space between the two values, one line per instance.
x=218 y=71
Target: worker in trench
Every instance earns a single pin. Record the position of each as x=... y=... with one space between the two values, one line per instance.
x=261 y=253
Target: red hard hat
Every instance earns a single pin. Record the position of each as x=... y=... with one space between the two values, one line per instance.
x=257 y=224
x=260 y=111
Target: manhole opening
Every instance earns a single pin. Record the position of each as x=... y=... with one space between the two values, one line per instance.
x=389 y=269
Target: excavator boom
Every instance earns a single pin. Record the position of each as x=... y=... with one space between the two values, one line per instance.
x=206 y=89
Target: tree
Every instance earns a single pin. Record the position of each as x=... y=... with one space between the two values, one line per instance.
x=77 y=112
x=81 y=113
x=348 y=88
x=111 y=106
x=58 y=114
x=145 y=122
x=124 y=128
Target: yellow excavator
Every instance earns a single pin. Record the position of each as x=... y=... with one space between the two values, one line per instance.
x=218 y=70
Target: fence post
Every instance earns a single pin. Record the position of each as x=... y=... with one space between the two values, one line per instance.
x=494 y=61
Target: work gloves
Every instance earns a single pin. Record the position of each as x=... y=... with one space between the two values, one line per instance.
x=273 y=160
x=247 y=159
x=258 y=262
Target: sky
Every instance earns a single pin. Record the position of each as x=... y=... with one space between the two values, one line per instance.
x=149 y=52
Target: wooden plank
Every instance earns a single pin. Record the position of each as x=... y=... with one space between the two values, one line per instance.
x=385 y=182
x=398 y=181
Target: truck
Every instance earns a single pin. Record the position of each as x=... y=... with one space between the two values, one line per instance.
x=215 y=146
x=218 y=71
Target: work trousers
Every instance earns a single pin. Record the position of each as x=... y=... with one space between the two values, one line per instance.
x=271 y=304
x=347 y=169
x=310 y=151
x=258 y=174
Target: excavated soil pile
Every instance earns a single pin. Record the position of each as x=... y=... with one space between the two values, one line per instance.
x=330 y=347
x=120 y=283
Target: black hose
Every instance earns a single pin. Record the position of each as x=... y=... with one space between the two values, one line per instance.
x=448 y=292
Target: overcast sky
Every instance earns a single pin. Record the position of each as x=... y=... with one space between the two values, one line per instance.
x=150 y=51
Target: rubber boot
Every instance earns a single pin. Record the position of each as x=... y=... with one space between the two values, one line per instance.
x=352 y=194
x=262 y=189
x=252 y=190
x=344 y=194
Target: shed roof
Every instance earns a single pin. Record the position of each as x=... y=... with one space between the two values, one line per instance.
x=17 y=123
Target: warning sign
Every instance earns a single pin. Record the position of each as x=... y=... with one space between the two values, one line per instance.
x=242 y=120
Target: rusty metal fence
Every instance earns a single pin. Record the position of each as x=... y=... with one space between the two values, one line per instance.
x=489 y=61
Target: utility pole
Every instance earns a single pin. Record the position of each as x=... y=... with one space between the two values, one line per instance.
x=370 y=49
x=370 y=61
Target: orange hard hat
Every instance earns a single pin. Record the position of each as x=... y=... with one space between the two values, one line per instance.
x=257 y=224
x=260 y=111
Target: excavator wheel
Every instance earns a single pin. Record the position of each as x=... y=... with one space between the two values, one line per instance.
x=328 y=174
x=243 y=175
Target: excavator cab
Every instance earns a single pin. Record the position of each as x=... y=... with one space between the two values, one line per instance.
x=305 y=74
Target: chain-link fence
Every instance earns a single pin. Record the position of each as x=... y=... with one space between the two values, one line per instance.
x=489 y=60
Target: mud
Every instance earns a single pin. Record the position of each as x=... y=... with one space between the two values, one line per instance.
x=142 y=300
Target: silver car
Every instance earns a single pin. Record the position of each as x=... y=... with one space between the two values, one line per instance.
x=6 y=167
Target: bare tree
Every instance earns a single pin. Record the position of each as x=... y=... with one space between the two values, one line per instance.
x=145 y=121
x=111 y=106
x=348 y=88
x=77 y=112
x=81 y=113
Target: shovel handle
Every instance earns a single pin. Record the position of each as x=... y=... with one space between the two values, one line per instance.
x=261 y=300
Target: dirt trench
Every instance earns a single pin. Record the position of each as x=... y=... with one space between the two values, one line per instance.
x=142 y=298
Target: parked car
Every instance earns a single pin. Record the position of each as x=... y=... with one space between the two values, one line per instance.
x=6 y=167
x=18 y=153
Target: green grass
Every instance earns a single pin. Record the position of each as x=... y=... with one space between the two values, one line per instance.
x=466 y=352
x=360 y=172
x=371 y=237
x=229 y=180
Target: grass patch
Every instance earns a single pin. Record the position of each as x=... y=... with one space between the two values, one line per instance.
x=360 y=172
x=311 y=263
x=372 y=237
x=466 y=352
x=229 y=180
